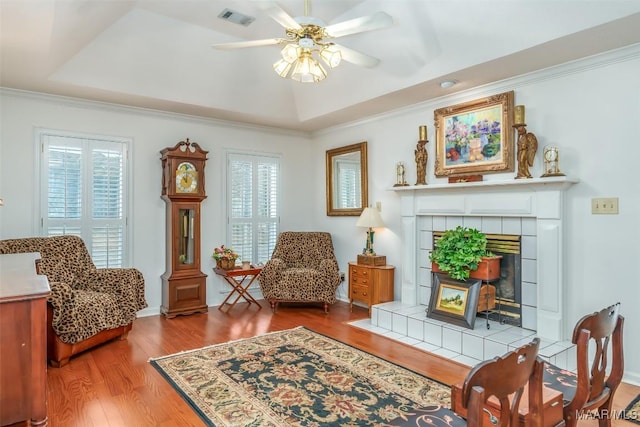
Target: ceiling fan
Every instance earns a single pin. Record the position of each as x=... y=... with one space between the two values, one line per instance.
x=307 y=36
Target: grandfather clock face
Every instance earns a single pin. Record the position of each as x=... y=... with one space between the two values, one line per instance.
x=186 y=176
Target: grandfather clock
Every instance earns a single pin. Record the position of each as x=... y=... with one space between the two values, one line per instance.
x=184 y=288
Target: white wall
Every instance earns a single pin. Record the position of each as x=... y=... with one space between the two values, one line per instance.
x=151 y=132
x=590 y=110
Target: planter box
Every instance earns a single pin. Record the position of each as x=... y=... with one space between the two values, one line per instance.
x=488 y=269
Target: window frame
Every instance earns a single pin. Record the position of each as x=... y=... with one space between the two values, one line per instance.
x=254 y=157
x=41 y=196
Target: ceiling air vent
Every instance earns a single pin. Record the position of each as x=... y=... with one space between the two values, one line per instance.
x=236 y=17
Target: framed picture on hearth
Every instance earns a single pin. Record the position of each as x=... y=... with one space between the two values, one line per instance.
x=454 y=301
x=475 y=137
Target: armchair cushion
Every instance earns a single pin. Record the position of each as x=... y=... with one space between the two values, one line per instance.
x=303 y=268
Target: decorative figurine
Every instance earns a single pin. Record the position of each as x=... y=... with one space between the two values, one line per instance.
x=400 y=179
x=421 y=157
x=527 y=144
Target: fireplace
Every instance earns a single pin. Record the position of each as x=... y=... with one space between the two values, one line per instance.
x=531 y=208
x=508 y=308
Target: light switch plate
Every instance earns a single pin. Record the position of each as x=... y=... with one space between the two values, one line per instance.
x=604 y=206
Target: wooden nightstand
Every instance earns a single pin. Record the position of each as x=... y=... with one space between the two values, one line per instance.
x=370 y=284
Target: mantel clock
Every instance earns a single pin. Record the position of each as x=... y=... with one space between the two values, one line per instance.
x=183 y=283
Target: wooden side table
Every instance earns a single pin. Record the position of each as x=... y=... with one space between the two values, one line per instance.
x=370 y=284
x=236 y=278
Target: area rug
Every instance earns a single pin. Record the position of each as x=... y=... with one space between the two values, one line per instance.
x=296 y=377
x=632 y=411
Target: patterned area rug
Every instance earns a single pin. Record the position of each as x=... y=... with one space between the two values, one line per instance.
x=632 y=412
x=296 y=378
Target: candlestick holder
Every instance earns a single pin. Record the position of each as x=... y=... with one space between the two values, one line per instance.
x=527 y=144
x=421 y=156
x=527 y=147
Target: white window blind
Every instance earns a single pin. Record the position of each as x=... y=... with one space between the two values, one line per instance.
x=83 y=193
x=253 y=186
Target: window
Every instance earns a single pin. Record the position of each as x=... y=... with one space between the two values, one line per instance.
x=84 y=192
x=252 y=200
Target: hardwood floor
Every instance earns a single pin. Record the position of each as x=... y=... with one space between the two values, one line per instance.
x=114 y=385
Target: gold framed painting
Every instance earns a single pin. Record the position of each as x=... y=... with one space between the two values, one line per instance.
x=475 y=137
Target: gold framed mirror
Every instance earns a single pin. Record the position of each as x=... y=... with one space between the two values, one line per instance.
x=347 y=188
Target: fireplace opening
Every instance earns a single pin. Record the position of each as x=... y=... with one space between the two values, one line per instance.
x=508 y=309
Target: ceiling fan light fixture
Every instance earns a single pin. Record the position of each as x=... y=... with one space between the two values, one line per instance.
x=305 y=47
x=331 y=56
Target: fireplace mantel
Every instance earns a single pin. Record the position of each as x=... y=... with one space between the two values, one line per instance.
x=533 y=184
x=539 y=198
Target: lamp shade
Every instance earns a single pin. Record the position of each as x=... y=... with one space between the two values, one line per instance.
x=370 y=217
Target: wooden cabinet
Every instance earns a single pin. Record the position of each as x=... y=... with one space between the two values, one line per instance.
x=370 y=284
x=23 y=362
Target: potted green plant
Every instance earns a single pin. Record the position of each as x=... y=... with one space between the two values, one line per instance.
x=462 y=253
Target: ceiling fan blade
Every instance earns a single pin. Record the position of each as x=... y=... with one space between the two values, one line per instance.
x=279 y=15
x=251 y=43
x=358 y=25
x=357 y=58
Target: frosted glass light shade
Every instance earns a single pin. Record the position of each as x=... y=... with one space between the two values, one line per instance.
x=307 y=69
x=290 y=53
x=282 y=67
x=331 y=56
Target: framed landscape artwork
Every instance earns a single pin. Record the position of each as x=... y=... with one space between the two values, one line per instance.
x=453 y=301
x=475 y=137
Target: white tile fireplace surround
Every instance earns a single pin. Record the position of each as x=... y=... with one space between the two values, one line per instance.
x=532 y=208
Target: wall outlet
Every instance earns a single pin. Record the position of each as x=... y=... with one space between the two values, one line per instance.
x=606 y=206
x=342 y=276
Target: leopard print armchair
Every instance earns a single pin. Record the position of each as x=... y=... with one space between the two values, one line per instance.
x=302 y=268
x=87 y=305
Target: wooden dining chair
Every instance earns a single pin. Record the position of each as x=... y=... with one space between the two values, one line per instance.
x=504 y=378
x=591 y=388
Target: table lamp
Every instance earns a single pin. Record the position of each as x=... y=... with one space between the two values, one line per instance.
x=370 y=217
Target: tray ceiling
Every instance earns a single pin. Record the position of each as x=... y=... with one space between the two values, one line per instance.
x=157 y=54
